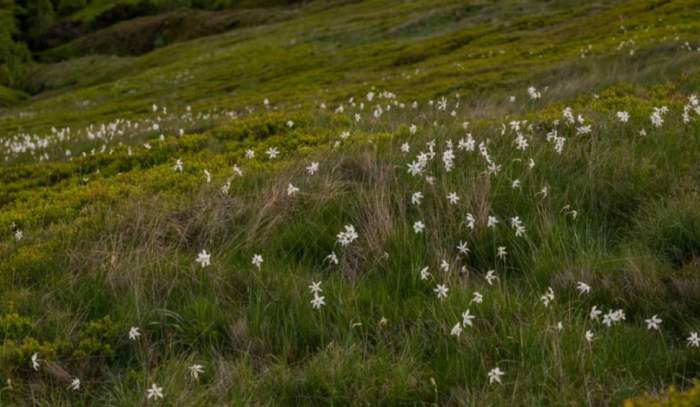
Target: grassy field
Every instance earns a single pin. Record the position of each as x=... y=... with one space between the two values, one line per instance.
x=358 y=203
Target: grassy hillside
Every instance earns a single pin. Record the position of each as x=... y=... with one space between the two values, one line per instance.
x=358 y=202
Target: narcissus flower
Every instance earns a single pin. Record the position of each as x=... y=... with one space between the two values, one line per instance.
x=179 y=166
x=424 y=273
x=547 y=297
x=272 y=153
x=444 y=265
x=463 y=248
x=418 y=227
x=583 y=288
x=495 y=375
x=653 y=322
x=533 y=93
x=332 y=258
x=441 y=291
x=612 y=317
x=134 y=333
x=347 y=236
x=501 y=252
x=470 y=221
x=456 y=330
x=416 y=198
x=312 y=168
x=517 y=224
x=318 y=301
x=257 y=260
x=315 y=287
x=491 y=276
x=491 y=222
x=195 y=371
x=155 y=392
x=204 y=258
x=452 y=198
x=467 y=318
x=656 y=117
x=415 y=167
x=35 y=361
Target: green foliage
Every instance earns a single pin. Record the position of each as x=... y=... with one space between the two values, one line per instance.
x=13 y=326
x=97 y=340
x=39 y=17
x=13 y=54
x=11 y=97
x=672 y=398
x=68 y=7
x=672 y=230
x=15 y=355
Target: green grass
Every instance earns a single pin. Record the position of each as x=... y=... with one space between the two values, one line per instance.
x=141 y=35
x=10 y=97
x=110 y=234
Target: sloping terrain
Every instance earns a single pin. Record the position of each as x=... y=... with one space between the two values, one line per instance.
x=357 y=202
x=144 y=34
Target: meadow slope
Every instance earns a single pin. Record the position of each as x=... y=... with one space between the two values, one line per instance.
x=376 y=202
